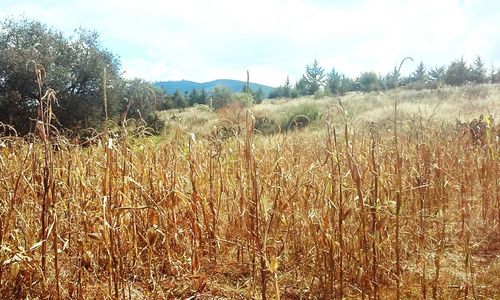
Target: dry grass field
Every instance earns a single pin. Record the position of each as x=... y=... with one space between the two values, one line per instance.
x=355 y=205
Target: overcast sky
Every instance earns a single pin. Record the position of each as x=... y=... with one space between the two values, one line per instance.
x=207 y=40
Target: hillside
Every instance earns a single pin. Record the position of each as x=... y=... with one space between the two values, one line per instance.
x=446 y=104
x=186 y=85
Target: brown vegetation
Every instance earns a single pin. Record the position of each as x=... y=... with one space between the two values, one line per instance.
x=300 y=215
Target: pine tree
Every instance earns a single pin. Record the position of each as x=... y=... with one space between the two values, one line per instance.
x=287 y=88
x=334 y=81
x=478 y=71
x=419 y=77
x=458 y=73
x=179 y=100
x=391 y=79
x=314 y=77
x=346 y=85
x=436 y=76
x=301 y=87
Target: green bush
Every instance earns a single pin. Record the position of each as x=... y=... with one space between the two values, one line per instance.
x=154 y=122
x=296 y=116
x=220 y=97
x=300 y=116
x=320 y=94
x=243 y=99
x=265 y=125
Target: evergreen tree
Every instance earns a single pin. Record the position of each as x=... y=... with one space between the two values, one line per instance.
x=457 y=73
x=287 y=88
x=282 y=91
x=195 y=97
x=276 y=93
x=258 y=95
x=419 y=77
x=314 y=77
x=203 y=96
x=334 y=81
x=179 y=100
x=478 y=71
x=491 y=77
x=346 y=85
x=391 y=79
x=301 y=87
x=437 y=75
x=494 y=75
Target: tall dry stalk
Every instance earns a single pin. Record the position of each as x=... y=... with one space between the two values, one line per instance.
x=375 y=203
x=397 y=168
x=259 y=200
x=48 y=213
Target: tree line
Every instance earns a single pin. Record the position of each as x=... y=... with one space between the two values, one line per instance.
x=73 y=67
x=215 y=98
x=35 y=58
x=317 y=81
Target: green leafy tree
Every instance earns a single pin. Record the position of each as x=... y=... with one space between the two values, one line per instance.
x=154 y=122
x=457 y=73
x=140 y=101
x=368 y=82
x=285 y=90
x=179 y=100
x=164 y=102
x=276 y=93
x=258 y=95
x=140 y=98
x=203 y=96
x=314 y=77
x=221 y=96
x=494 y=76
x=197 y=97
x=73 y=67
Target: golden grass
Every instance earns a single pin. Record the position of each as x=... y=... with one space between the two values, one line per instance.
x=447 y=103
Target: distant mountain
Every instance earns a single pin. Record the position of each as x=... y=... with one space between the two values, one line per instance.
x=234 y=85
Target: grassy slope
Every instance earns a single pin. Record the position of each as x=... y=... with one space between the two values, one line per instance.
x=448 y=104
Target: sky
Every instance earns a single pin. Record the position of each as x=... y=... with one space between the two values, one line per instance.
x=222 y=39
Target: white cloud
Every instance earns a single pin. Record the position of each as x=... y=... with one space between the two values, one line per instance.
x=206 y=40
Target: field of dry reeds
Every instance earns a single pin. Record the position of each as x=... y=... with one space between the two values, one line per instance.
x=405 y=210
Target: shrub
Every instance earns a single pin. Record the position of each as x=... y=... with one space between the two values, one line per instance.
x=154 y=122
x=300 y=116
x=265 y=125
x=243 y=99
x=221 y=96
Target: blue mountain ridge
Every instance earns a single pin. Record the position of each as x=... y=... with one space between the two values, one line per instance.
x=234 y=85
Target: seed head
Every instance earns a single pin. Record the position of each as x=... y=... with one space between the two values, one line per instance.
x=14 y=269
x=151 y=235
x=87 y=259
